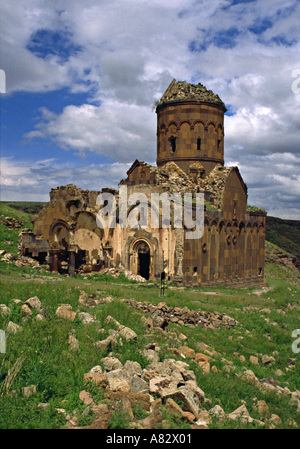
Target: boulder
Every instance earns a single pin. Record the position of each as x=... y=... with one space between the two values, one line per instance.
x=13 y=328
x=100 y=380
x=135 y=399
x=86 y=318
x=127 y=334
x=73 y=342
x=111 y=363
x=65 y=313
x=34 y=303
x=118 y=381
x=85 y=397
x=139 y=385
x=4 y=310
x=26 y=310
x=240 y=413
x=103 y=415
x=107 y=343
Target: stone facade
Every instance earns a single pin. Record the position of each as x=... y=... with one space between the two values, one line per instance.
x=190 y=159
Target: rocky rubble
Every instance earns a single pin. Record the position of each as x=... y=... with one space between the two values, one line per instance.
x=162 y=385
x=12 y=222
x=19 y=261
x=162 y=315
x=115 y=273
x=158 y=387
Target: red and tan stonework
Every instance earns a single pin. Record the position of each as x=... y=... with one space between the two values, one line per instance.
x=190 y=158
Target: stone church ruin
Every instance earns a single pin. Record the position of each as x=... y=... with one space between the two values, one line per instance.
x=190 y=159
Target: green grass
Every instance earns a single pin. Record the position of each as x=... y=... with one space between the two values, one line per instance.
x=284 y=233
x=9 y=237
x=57 y=372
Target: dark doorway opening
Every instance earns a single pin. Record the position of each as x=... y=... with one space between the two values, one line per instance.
x=79 y=259
x=143 y=253
x=144 y=265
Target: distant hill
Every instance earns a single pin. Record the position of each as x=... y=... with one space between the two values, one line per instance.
x=285 y=234
x=30 y=207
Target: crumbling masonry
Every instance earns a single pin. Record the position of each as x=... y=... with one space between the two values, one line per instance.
x=190 y=158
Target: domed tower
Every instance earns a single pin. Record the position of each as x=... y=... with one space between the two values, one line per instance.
x=190 y=128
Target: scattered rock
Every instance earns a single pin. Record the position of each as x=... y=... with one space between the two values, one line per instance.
x=66 y=313
x=13 y=328
x=275 y=420
x=111 y=363
x=12 y=222
x=254 y=359
x=118 y=380
x=161 y=315
x=240 y=413
x=99 y=380
x=29 y=391
x=106 y=344
x=85 y=397
x=86 y=318
x=103 y=415
x=73 y=342
x=266 y=360
x=26 y=310
x=96 y=370
x=34 y=303
x=263 y=409
x=4 y=310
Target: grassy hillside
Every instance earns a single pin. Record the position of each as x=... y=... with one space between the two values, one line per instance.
x=9 y=237
x=29 y=207
x=39 y=354
x=284 y=233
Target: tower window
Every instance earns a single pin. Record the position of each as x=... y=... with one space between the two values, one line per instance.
x=173 y=143
x=198 y=144
x=219 y=144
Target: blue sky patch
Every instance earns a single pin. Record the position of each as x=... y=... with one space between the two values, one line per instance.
x=260 y=25
x=21 y=111
x=221 y=39
x=49 y=42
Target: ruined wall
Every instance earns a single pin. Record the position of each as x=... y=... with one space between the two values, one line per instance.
x=190 y=159
x=230 y=252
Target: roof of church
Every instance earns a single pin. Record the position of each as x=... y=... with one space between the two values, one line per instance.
x=183 y=91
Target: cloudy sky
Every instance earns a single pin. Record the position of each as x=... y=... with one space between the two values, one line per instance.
x=81 y=79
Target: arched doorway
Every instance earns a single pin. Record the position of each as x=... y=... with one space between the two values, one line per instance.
x=143 y=259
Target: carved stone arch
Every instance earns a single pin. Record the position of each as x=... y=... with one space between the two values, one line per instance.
x=88 y=238
x=213 y=222
x=261 y=228
x=59 y=234
x=210 y=123
x=57 y=222
x=141 y=257
x=221 y=225
x=255 y=228
x=228 y=224
x=174 y=125
x=195 y=122
x=249 y=227
x=219 y=126
x=206 y=221
x=189 y=122
x=228 y=231
x=241 y=227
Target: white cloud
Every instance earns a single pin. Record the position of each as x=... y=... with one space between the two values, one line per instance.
x=32 y=180
x=128 y=53
x=119 y=130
